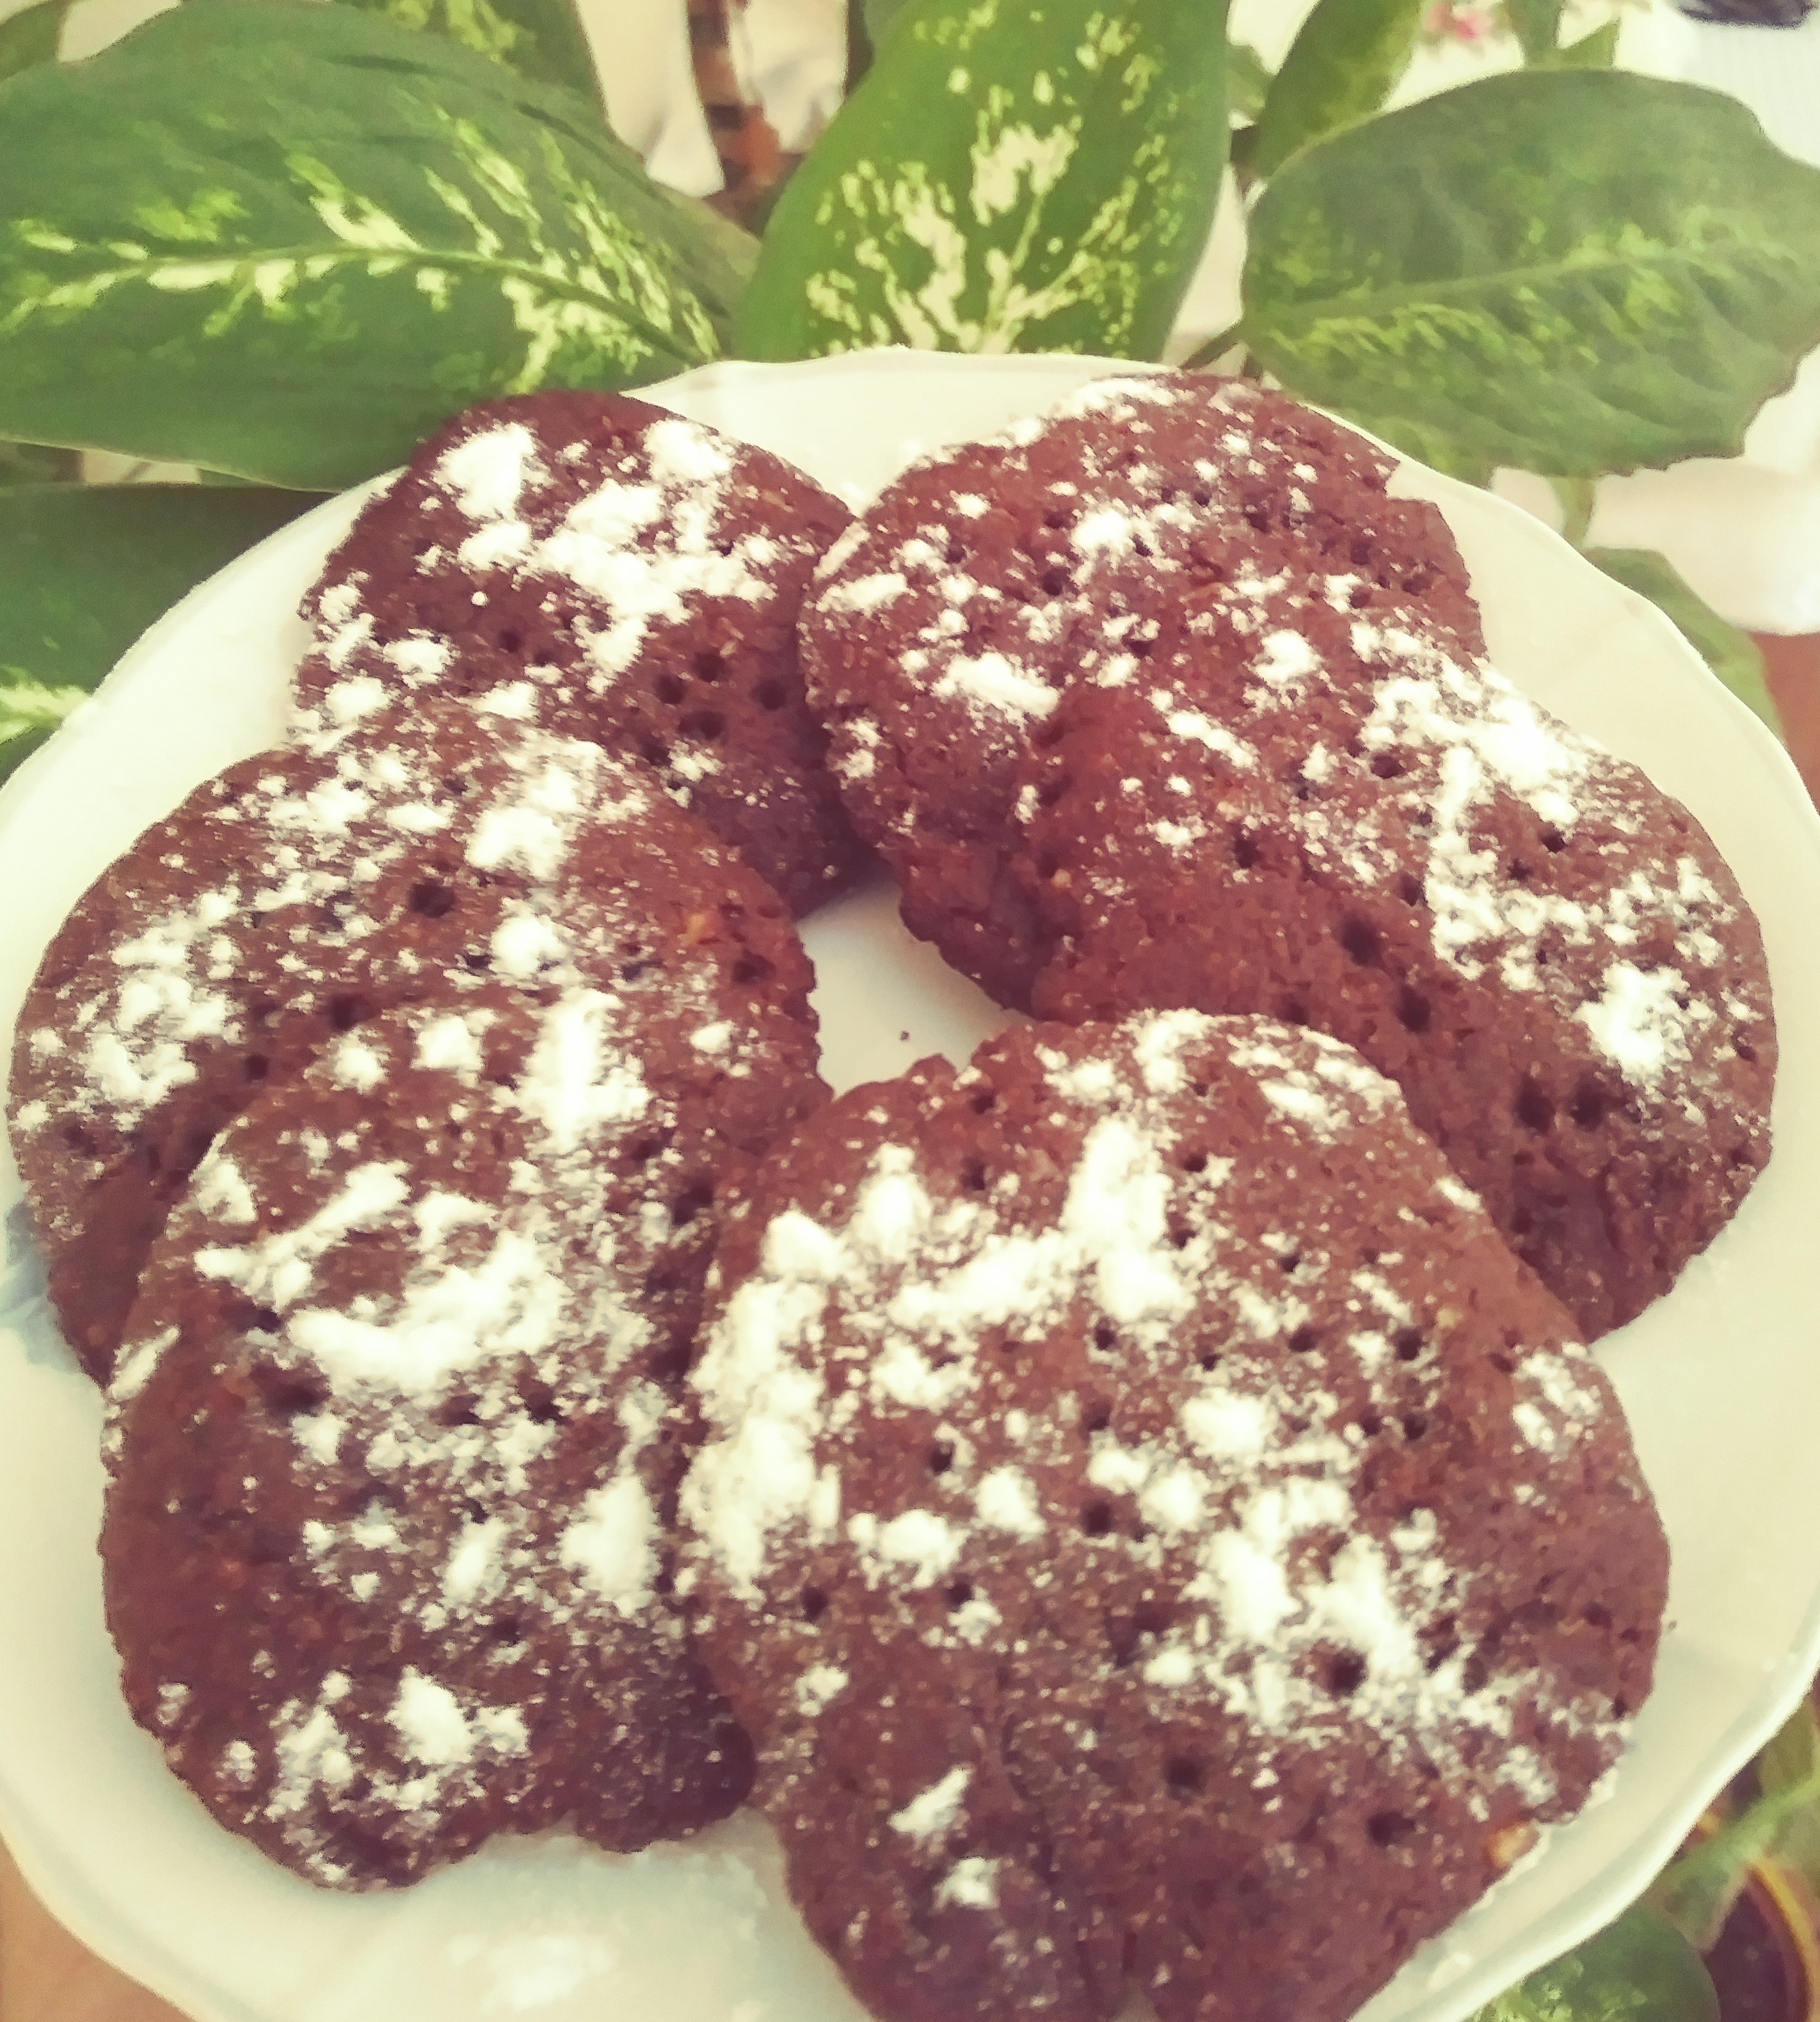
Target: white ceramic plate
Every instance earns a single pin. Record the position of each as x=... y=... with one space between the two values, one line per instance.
x=1721 y=1379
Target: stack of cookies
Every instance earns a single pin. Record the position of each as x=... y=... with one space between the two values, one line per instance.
x=1106 y=1506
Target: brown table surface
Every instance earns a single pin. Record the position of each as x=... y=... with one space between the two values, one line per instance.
x=46 y=1977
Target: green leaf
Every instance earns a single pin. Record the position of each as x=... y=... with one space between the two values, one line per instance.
x=1004 y=178
x=1340 y=68
x=30 y=37
x=25 y=463
x=877 y=17
x=286 y=241
x=1248 y=79
x=1639 y=1969
x=84 y=569
x=1793 y=1759
x=1596 y=51
x=541 y=39
x=1732 y=654
x=1565 y=271
x=1537 y=25
x=1696 y=1891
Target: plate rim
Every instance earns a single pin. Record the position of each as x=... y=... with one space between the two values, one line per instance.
x=73 y=1902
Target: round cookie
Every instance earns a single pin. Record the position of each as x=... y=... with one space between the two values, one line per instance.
x=386 y=1540
x=1152 y=1529
x=299 y=893
x=944 y=626
x=1342 y=821
x=614 y=573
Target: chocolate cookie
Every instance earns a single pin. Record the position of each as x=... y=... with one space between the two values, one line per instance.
x=1144 y=1504
x=297 y=894
x=387 y=1542
x=1337 y=819
x=944 y=626
x=613 y=573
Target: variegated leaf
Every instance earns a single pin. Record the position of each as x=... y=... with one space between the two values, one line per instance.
x=285 y=240
x=1639 y=1969
x=540 y=39
x=31 y=36
x=84 y=569
x=1340 y=68
x=1564 y=270
x=1006 y=178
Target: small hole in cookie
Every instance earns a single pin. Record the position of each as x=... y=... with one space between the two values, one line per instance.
x=693 y=1200
x=973 y=1176
x=1553 y=840
x=1534 y=1111
x=751 y=967
x=1193 y=1162
x=346 y=1011
x=941 y=1456
x=1388 y=764
x=1590 y=1106
x=814 y=1604
x=434 y=901
x=1370 y=1423
x=1105 y=1336
x=983 y=1100
x=652 y=749
x=1388 y=1829
x=1346 y=1673
x=1361 y=941
x=956 y=553
x=1413 y=1010
x=540 y=1405
x=1289 y=1263
x=669 y=689
x=1095 y=1418
x=1408 y=1342
x=771 y=695
x=1183 y=1775
x=708 y=665
x=287 y=1393
x=510 y=640
x=1244 y=851
x=1415 y=1425
x=1304 y=1341
x=1056 y=582
x=706 y=723
x=255 y=1067
x=507 y=1631
x=1096 y=1519
x=1209 y=1358
x=959 y=1593
x=458 y=1411
x=1409 y=889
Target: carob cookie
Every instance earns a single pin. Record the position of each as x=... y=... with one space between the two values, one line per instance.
x=614 y=573
x=1339 y=819
x=386 y=1544
x=1152 y=1529
x=302 y=891
x=944 y=626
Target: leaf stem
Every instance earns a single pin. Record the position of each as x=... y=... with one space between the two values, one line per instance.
x=1204 y=356
x=1577 y=495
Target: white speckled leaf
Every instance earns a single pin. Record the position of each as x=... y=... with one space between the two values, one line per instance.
x=1567 y=271
x=285 y=240
x=540 y=39
x=1008 y=177
x=84 y=569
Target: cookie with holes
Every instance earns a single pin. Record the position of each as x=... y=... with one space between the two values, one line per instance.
x=386 y=1540
x=614 y=573
x=299 y=893
x=944 y=626
x=1143 y=1502
x=1359 y=827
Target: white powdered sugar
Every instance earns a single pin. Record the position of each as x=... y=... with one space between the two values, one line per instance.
x=1250 y=1503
